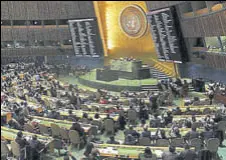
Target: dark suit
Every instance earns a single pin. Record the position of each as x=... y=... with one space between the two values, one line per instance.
x=168 y=120
x=112 y=142
x=132 y=132
x=155 y=123
x=169 y=156
x=192 y=135
x=188 y=155
x=131 y=141
x=35 y=147
x=21 y=141
x=72 y=118
x=207 y=135
x=146 y=134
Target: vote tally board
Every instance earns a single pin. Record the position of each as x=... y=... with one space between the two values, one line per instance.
x=164 y=35
x=85 y=37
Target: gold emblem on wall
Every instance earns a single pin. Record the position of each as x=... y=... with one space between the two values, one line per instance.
x=133 y=21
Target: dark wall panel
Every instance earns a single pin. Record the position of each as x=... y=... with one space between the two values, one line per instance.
x=152 y=5
x=62 y=10
x=53 y=9
x=205 y=26
x=86 y=8
x=20 y=34
x=188 y=32
x=72 y=9
x=51 y=34
x=218 y=27
x=43 y=10
x=64 y=34
x=18 y=10
x=42 y=51
x=6 y=34
x=4 y=10
x=35 y=34
x=198 y=27
x=222 y=16
x=32 y=10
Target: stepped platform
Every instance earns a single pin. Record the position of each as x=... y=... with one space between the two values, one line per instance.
x=116 y=85
x=119 y=85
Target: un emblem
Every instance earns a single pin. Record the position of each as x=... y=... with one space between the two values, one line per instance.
x=133 y=21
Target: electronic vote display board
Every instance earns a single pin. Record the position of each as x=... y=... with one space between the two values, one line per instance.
x=164 y=34
x=86 y=37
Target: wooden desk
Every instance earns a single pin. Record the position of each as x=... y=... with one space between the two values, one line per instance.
x=185 y=117
x=32 y=105
x=195 y=109
x=10 y=134
x=61 y=123
x=80 y=113
x=53 y=100
x=183 y=131
x=127 y=99
x=191 y=106
x=127 y=151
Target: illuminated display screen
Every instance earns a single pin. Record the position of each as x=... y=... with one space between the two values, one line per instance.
x=86 y=38
x=164 y=35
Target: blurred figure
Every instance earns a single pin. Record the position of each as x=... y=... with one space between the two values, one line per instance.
x=112 y=140
x=171 y=155
x=188 y=154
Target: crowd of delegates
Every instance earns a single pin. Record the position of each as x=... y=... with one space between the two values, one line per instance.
x=149 y=114
x=67 y=69
x=216 y=89
x=178 y=88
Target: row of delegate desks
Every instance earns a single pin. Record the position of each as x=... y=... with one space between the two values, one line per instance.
x=201 y=108
x=61 y=123
x=10 y=134
x=128 y=151
x=177 y=118
x=115 y=117
x=67 y=125
x=104 y=107
x=32 y=105
x=51 y=101
x=79 y=114
x=191 y=106
x=183 y=131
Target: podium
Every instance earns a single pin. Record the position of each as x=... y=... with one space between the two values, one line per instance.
x=130 y=69
x=106 y=75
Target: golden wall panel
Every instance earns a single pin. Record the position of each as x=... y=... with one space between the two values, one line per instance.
x=117 y=43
